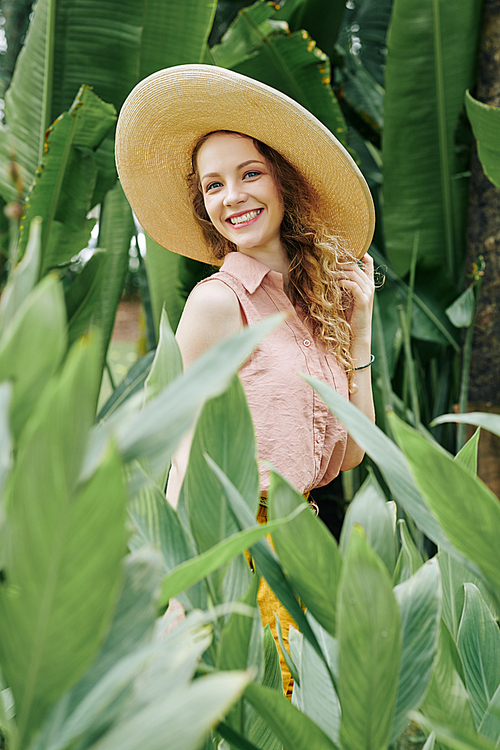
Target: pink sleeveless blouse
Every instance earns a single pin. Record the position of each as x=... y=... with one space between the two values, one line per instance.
x=295 y=430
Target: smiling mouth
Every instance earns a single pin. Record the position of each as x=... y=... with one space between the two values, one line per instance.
x=244 y=218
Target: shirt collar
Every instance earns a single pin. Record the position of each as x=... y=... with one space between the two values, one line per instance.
x=250 y=272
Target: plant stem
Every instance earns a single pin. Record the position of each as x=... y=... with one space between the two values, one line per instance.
x=47 y=73
x=464 y=381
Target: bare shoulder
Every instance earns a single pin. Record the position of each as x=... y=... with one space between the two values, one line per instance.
x=212 y=313
x=213 y=298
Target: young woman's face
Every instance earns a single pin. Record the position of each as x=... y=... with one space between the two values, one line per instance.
x=241 y=197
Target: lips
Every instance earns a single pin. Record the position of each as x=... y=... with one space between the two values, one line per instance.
x=244 y=217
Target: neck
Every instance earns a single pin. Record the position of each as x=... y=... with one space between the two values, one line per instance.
x=273 y=258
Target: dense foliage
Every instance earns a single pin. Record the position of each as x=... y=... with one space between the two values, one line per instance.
x=91 y=553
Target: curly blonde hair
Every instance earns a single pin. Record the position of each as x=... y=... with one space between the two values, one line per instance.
x=313 y=252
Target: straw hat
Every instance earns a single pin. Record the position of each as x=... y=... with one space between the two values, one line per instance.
x=166 y=114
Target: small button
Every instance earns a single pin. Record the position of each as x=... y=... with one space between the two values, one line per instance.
x=307 y=342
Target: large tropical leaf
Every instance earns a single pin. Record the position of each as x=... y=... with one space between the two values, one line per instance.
x=62 y=193
x=115 y=232
x=467 y=510
x=485 y=121
x=23 y=361
x=289 y=62
x=369 y=510
x=194 y=570
x=63 y=544
x=315 y=696
x=82 y=709
x=387 y=456
x=320 y=18
x=303 y=545
x=446 y=700
x=109 y=45
x=224 y=432
x=419 y=600
x=295 y=729
x=430 y=63
x=369 y=635
x=479 y=647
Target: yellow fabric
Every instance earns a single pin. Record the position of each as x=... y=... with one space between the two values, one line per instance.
x=269 y=605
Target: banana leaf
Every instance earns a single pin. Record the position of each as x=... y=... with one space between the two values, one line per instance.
x=291 y=63
x=431 y=51
x=321 y=18
x=64 y=553
x=485 y=121
x=62 y=193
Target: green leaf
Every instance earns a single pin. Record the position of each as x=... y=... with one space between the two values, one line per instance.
x=446 y=700
x=62 y=192
x=167 y=364
x=490 y=422
x=24 y=98
x=131 y=384
x=290 y=63
x=485 y=121
x=467 y=455
x=369 y=633
x=316 y=696
x=83 y=709
x=116 y=227
x=295 y=729
x=369 y=510
x=267 y=563
x=321 y=18
x=194 y=570
x=467 y=510
x=65 y=544
x=82 y=297
x=490 y=724
x=461 y=312
x=225 y=432
x=453 y=577
x=184 y=715
x=185 y=27
x=5 y=439
x=304 y=545
x=162 y=268
x=23 y=277
x=23 y=361
x=431 y=55
x=452 y=736
x=260 y=733
x=156 y=523
x=419 y=600
x=410 y=559
x=479 y=646
x=237 y=631
x=388 y=458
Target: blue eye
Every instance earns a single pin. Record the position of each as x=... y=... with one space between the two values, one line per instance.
x=212 y=185
x=252 y=173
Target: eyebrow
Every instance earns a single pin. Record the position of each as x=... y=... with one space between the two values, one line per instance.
x=240 y=166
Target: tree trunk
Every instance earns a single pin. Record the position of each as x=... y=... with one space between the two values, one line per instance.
x=484 y=239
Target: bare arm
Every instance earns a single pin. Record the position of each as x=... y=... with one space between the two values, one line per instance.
x=359 y=281
x=212 y=313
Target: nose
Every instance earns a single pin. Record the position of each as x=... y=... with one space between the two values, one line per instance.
x=234 y=194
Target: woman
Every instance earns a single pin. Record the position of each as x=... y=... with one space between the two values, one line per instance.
x=224 y=169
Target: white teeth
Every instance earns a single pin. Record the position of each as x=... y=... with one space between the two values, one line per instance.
x=245 y=217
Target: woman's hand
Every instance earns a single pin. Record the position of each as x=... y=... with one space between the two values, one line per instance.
x=358 y=281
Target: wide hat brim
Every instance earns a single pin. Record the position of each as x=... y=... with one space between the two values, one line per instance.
x=166 y=114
